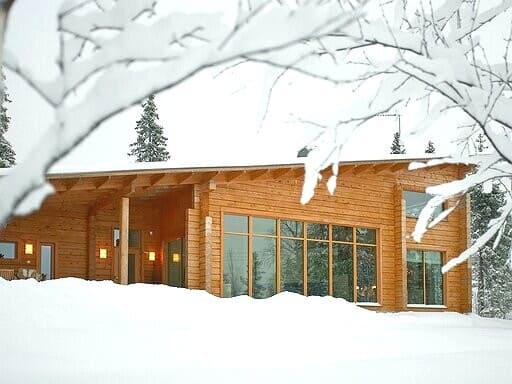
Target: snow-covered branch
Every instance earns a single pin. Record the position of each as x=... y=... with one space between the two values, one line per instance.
x=113 y=54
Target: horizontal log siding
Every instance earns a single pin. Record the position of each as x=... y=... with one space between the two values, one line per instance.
x=366 y=199
x=64 y=225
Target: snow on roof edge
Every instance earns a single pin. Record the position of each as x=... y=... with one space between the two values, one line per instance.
x=184 y=166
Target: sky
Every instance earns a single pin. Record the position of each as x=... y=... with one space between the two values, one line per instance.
x=215 y=114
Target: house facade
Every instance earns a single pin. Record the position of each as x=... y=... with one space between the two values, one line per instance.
x=242 y=231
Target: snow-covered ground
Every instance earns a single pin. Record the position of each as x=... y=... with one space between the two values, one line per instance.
x=75 y=331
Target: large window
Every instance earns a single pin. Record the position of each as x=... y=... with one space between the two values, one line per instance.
x=416 y=201
x=263 y=256
x=424 y=277
x=7 y=250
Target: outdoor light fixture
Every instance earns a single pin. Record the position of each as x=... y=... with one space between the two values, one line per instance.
x=152 y=256
x=29 y=249
x=176 y=257
x=103 y=253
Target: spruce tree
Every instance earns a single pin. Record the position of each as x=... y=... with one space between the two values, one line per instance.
x=430 y=147
x=492 y=272
x=151 y=142
x=396 y=146
x=7 y=154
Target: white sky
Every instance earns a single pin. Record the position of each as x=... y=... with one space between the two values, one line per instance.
x=206 y=116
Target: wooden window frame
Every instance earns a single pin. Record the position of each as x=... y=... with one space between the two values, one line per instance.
x=278 y=237
x=443 y=293
x=16 y=256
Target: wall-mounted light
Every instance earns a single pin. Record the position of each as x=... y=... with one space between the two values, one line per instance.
x=176 y=257
x=29 y=249
x=103 y=253
x=152 y=256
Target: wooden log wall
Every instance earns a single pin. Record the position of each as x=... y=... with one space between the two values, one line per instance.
x=361 y=199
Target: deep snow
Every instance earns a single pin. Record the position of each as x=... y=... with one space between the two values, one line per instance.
x=75 y=331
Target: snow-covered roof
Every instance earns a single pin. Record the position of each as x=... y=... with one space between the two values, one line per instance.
x=213 y=164
x=182 y=165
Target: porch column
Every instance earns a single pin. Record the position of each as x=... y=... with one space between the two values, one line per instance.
x=123 y=240
x=91 y=244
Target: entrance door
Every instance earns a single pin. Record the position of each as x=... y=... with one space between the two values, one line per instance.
x=46 y=261
x=131 y=268
x=175 y=263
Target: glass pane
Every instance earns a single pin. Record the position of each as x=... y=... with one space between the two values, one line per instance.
x=263 y=267
x=343 y=271
x=263 y=226
x=46 y=261
x=236 y=252
x=133 y=239
x=434 y=278
x=366 y=274
x=292 y=265
x=414 y=277
x=116 y=237
x=318 y=231
x=318 y=274
x=7 y=250
x=415 y=201
x=342 y=233
x=235 y=223
x=366 y=235
x=291 y=228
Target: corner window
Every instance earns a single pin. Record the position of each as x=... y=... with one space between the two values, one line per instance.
x=416 y=201
x=7 y=250
x=424 y=277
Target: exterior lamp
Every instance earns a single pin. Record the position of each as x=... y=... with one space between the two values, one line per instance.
x=29 y=249
x=152 y=256
x=103 y=253
x=175 y=257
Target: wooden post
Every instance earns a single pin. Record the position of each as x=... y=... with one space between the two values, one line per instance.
x=91 y=244
x=123 y=240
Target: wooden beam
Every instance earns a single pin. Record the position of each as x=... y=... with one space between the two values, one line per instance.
x=379 y=168
x=156 y=179
x=71 y=183
x=183 y=177
x=361 y=168
x=91 y=244
x=278 y=173
x=258 y=173
x=233 y=175
x=101 y=182
x=124 y=217
x=399 y=167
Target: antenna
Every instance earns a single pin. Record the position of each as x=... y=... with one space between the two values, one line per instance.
x=393 y=115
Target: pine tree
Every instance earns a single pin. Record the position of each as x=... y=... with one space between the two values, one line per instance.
x=151 y=142
x=492 y=271
x=7 y=154
x=430 y=147
x=396 y=146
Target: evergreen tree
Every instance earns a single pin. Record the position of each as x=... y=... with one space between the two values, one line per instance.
x=7 y=154
x=151 y=142
x=430 y=147
x=492 y=272
x=397 y=147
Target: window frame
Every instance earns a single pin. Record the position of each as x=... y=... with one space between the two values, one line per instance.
x=4 y=259
x=443 y=276
x=304 y=239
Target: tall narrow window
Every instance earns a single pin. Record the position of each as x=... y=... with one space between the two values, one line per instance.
x=424 y=277
x=292 y=256
x=236 y=255
x=263 y=257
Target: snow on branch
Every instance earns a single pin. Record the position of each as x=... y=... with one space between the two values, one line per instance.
x=113 y=54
